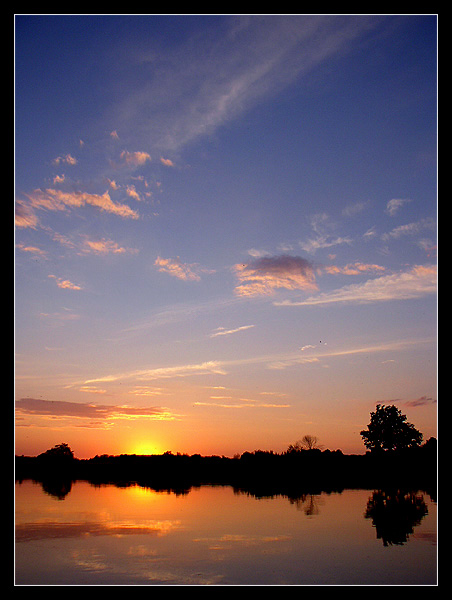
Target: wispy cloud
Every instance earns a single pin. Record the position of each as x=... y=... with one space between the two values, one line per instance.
x=422 y=401
x=203 y=368
x=323 y=238
x=61 y=317
x=210 y=79
x=144 y=390
x=268 y=273
x=91 y=389
x=25 y=216
x=394 y=205
x=410 y=229
x=59 y=408
x=176 y=268
x=323 y=241
x=181 y=312
x=275 y=361
x=353 y=209
x=416 y=282
x=83 y=244
x=32 y=250
x=356 y=268
x=59 y=200
x=235 y=405
x=104 y=246
x=222 y=331
x=65 y=284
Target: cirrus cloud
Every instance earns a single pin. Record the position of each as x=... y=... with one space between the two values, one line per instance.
x=417 y=282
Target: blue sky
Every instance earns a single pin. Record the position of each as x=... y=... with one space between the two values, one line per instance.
x=225 y=229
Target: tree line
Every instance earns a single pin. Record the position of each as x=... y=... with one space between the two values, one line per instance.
x=395 y=456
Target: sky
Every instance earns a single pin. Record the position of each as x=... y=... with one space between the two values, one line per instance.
x=225 y=230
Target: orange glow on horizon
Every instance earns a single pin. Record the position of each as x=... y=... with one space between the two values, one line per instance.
x=146 y=448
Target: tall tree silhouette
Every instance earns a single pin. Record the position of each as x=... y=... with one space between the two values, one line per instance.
x=389 y=430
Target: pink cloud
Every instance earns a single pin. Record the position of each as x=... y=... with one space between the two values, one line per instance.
x=51 y=199
x=268 y=273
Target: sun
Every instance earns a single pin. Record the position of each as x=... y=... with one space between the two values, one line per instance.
x=146 y=448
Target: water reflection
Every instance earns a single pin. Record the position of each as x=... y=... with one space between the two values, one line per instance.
x=395 y=513
x=76 y=533
x=26 y=532
x=57 y=488
x=308 y=503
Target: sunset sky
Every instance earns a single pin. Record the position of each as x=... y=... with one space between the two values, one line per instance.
x=225 y=230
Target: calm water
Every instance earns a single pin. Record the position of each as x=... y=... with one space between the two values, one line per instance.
x=215 y=536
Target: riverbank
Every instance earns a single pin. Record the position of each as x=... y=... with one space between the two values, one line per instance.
x=265 y=472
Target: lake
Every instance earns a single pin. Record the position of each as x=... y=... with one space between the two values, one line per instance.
x=217 y=535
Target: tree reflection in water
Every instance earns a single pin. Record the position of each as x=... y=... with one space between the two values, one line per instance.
x=308 y=503
x=57 y=488
x=394 y=514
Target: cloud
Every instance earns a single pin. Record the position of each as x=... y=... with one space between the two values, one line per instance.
x=134 y=159
x=277 y=361
x=88 y=246
x=240 y=406
x=203 y=368
x=323 y=241
x=223 y=331
x=409 y=229
x=104 y=246
x=32 y=250
x=25 y=216
x=417 y=282
x=423 y=401
x=353 y=209
x=51 y=199
x=91 y=389
x=59 y=408
x=176 y=268
x=167 y=162
x=268 y=273
x=65 y=284
x=394 y=205
x=144 y=390
x=352 y=269
x=209 y=79
x=66 y=315
x=369 y=233
x=132 y=193
x=68 y=159
x=320 y=224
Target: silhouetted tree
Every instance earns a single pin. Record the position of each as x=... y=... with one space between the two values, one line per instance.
x=59 y=452
x=388 y=430
x=307 y=442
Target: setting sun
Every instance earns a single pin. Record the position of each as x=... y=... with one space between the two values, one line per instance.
x=146 y=448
